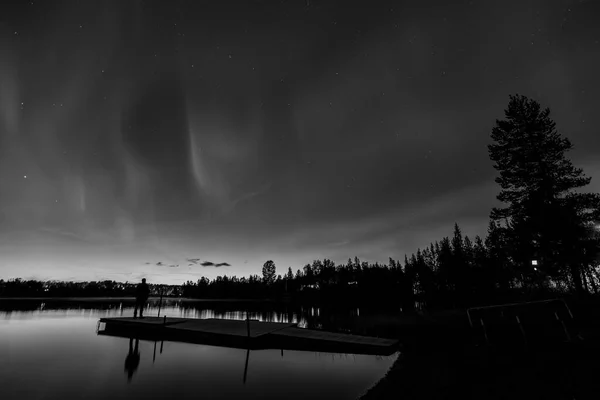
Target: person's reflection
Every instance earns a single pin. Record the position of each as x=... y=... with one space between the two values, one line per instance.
x=133 y=359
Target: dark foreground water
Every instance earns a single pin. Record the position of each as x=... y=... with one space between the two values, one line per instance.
x=52 y=351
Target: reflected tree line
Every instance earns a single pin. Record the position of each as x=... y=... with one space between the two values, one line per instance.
x=544 y=241
x=35 y=288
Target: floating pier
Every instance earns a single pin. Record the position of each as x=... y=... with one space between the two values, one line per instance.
x=244 y=334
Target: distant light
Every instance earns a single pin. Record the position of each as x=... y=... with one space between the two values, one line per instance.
x=534 y=262
x=534 y=268
x=25 y=176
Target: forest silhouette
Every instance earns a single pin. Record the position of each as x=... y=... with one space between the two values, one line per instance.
x=543 y=243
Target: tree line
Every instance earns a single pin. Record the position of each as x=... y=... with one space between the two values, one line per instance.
x=544 y=240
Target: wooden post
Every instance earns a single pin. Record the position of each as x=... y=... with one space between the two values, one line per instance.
x=564 y=326
x=246 y=367
x=568 y=309
x=522 y=329
x=484 y=331
x=154 y=356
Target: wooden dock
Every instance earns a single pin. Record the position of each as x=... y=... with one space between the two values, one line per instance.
x=246 y=334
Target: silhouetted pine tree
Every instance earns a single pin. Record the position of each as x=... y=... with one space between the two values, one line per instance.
x=407 y=287
x=499 y=262
x=426 y=278
x=290 y=275
x=459 y=270
x=483 y=274
x=268 y=272
x=546 y=220
x=444 y=275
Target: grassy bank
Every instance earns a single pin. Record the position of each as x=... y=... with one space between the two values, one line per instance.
x=564 y=372
x=439 y=360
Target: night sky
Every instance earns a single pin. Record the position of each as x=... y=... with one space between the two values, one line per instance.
x=134 y=132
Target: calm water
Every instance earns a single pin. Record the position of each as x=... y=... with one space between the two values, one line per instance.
x=52 y=351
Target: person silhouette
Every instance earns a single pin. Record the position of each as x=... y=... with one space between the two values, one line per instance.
x=133 y=359
x=141 y=296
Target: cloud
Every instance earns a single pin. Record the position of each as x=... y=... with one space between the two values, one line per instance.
x=162 y=264
x=216 y=265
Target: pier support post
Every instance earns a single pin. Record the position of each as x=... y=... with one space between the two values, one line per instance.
x=246 y=366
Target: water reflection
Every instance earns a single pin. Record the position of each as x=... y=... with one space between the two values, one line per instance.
x=55 y=344
x=246 y=366
x=132 y=361
x=351 y=320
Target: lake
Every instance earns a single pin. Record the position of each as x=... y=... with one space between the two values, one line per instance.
x=50 y=350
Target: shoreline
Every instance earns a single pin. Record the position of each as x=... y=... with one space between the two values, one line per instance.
x=439 y=360
x=132 y=299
